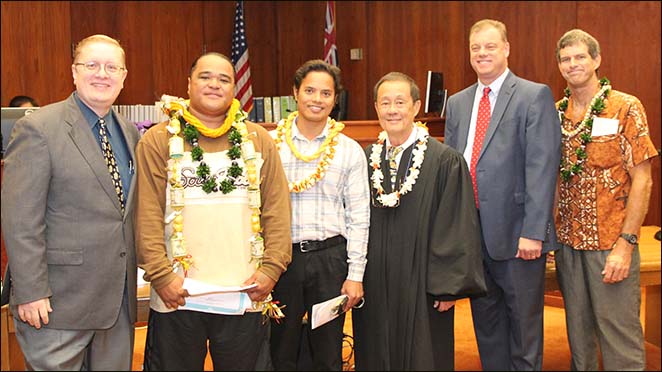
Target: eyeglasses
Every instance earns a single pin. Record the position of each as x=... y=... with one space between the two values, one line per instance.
x=110 y=68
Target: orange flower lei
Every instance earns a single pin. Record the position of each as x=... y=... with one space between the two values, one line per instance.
x=284 y=129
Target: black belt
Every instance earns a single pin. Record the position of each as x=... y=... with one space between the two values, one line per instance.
x=318 y=245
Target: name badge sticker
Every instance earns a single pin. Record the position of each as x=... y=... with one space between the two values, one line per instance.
x=604 y=127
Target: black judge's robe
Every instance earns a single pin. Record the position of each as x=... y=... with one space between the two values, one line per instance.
x=425 y=249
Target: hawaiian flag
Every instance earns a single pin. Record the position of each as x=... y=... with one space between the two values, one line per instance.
x=244 y=91
x=330 y=49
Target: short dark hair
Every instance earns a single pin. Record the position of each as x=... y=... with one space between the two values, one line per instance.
x=20 y=100
x=399 y=76
x=318 y=65
x=217 y=54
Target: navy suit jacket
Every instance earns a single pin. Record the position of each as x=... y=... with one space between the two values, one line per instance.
x=518 y=165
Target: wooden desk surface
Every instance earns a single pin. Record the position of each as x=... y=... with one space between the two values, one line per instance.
x=650 y=256
x=365 y=132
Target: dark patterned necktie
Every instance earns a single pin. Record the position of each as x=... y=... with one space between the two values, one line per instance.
x=108 y=155
x=393 y=152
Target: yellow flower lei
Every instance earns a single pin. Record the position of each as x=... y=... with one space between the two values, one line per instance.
x=182 y=106
x=284 y=129
x=236 y=118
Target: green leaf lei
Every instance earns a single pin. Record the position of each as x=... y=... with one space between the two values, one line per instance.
x=210 y=183
x=567 y=167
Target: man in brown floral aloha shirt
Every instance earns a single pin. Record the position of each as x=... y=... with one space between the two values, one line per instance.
x=604 y=190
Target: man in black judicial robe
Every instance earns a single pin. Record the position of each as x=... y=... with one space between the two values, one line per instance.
x=424 y=246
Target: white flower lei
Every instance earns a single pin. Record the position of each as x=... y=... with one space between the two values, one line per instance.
x=391 y=200
x=597 y=105
x=602 y=94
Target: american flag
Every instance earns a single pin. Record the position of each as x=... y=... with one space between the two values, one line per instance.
x=240 y=60
x=330 y=50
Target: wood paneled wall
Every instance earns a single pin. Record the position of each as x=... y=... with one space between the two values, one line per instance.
x=36 y=51
x=161 y=39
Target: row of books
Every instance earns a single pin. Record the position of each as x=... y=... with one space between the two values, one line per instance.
x=141 y=113
x=265 y=110
x=271 y=109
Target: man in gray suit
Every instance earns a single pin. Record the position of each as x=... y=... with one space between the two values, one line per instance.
x=67 y=207
x=508 y=130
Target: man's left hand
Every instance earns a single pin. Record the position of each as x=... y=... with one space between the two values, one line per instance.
x=617 y=265
x=442 y=306
x=354 y=292
x=264 y=286
x=529 y=249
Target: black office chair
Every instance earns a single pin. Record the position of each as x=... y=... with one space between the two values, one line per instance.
x=339 y=111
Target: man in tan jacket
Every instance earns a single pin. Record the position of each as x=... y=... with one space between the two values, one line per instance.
x=215 y=210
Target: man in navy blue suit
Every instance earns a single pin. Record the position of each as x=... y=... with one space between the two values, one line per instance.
x=508 y=131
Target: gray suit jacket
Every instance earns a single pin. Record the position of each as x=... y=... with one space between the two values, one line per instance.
x=518 y=165
x=64 y=231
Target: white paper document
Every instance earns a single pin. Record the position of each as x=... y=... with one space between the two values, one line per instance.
x=326 y=311
x=197 y=288
x=604 y=127
x=215 y=299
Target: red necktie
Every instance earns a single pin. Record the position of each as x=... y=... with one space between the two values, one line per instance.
x=482 y=122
